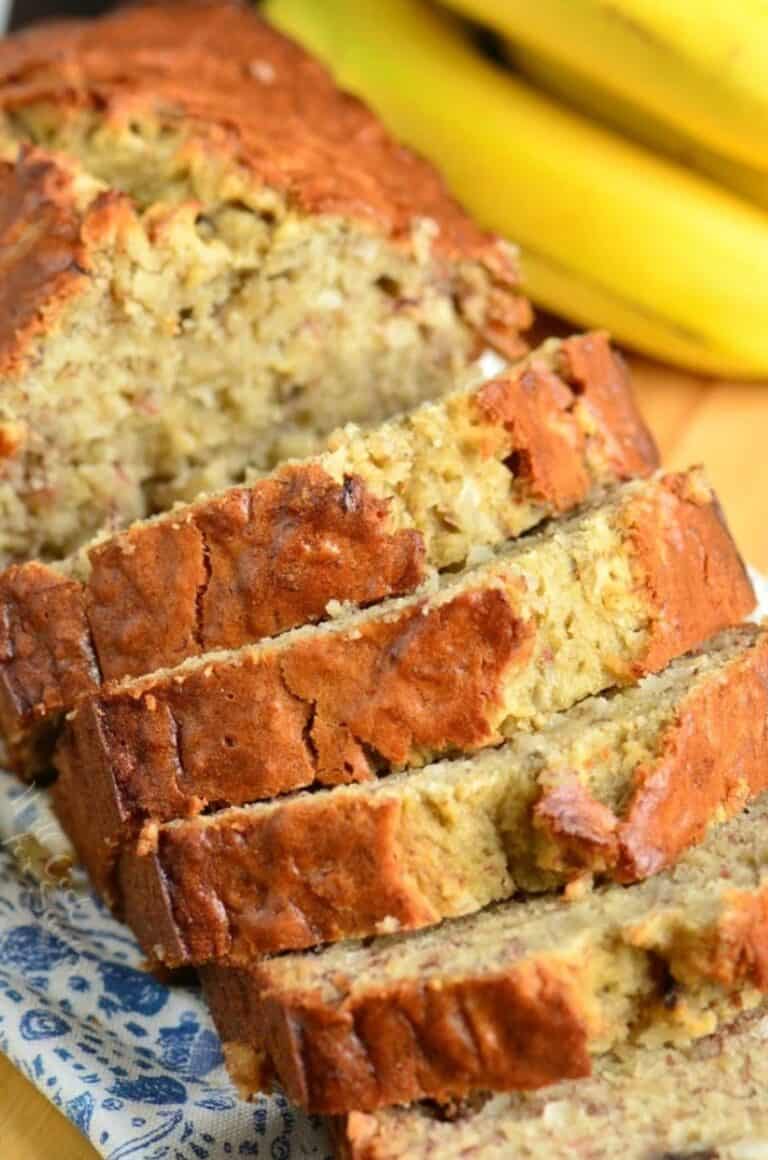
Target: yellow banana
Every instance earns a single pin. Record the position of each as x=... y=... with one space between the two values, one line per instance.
x=613 y=235
x=586 y=96
x=700 y=65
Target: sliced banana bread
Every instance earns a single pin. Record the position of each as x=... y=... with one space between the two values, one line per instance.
x=519 y=996
x=596 y=599
x=210 y=256
x=617 y=787
x=364 y=520
x=703 y=1101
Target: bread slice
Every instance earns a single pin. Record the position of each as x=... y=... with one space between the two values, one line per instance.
x=602 y=597
x=516 y=997
x=618 y=787
x=366 y=519
x=210 y=256
x=703 y=1101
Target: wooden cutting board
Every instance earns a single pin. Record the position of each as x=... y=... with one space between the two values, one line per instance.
x=723 y=425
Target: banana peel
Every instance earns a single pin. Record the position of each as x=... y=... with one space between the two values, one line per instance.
x=700 y=66
x=588 y=97
x=611 y=235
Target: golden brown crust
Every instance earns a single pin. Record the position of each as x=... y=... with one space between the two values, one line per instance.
x=557 y=424
x=710 y=762
x=600 y=378
x=344 y=705
x=289 y=879
x=713 y=758
x=580 y=832
x=46 y=654
x=256 y=561
x=92 y=815
x=518 y=1028
x=682 y=521
x=325 y=711
x=426 y=680
x=226 y=733
x=240 y=88
x=550 y=458
x=250 y=563
x=43 y=256
x=278 y=554
x=47 y=246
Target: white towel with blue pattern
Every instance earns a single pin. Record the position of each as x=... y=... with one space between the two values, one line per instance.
x=136 y=1065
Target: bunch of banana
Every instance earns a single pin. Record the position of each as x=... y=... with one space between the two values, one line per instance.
x=700 y=66
x=612 y=233
x=587 y=96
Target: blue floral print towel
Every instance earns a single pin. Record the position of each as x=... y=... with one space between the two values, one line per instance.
x=135 y=1064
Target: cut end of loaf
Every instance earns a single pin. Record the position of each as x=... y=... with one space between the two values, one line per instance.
x=242 y=267
x=220 y=343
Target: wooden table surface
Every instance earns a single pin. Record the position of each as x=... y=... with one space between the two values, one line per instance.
x=724 y=426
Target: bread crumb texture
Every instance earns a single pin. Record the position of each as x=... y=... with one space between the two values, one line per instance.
x=370 y=517
x=206 y=270
x=706 y=1099
x=617 y=787
x=518 y=996
x=596 y=600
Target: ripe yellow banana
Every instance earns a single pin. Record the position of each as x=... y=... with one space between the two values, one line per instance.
x=699 y=65
x=611 y=235
x=587 y=96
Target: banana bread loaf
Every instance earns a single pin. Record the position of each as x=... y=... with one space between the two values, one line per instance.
x=210 y=256
x=598 y=598
x=516 y=997
x=364 y=520
x=616 y=787
x=703 y=1101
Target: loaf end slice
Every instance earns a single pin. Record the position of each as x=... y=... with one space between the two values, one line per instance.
x=600 y=599
x=617 y=787
x=364 y=521
x=235 y=255
x=514 y=998
x=703 y=1100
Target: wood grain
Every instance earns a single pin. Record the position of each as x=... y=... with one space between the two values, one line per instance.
x=724 y=426
x=30 y=1127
